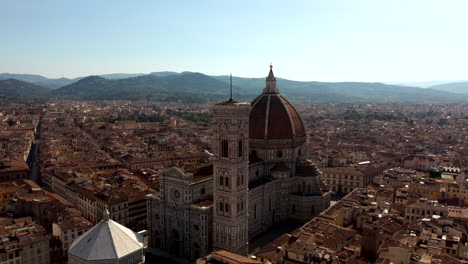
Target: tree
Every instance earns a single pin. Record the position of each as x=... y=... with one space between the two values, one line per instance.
x=434 y=173
x=10 y=122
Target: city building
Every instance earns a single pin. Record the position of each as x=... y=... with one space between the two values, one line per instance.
x=360 y=229
x=56 y=215
x=68 y=229
x=91 y=191
x=346 y=179
x=184 y=203
x=420 y=162
x=11 y=170
x=426 y=209
x=427 y=189
x=260 y=176
x=23 y=241
x=223 y=256
x=457 y=191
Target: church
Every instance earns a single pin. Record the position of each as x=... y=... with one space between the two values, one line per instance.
x=259 y=177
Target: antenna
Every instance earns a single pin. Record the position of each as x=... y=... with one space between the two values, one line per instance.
x=230 y=86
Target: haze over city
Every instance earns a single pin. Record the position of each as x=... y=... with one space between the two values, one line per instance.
x=384 y=41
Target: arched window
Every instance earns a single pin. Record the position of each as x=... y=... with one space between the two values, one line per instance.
x=226 y=207
x=279 y=154
x=221 y=180
x=224 y=148
x=227 y=181
x=240 y=149
x=221 y=206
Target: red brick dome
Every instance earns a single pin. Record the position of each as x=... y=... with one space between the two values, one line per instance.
x=272 y=117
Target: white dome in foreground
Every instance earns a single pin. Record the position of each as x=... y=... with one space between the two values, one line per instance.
x=107 y=242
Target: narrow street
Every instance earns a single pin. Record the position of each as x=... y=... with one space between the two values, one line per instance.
x=34 y=156
x=35 y=175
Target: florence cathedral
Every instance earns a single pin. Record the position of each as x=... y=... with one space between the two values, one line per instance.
x=259 y=177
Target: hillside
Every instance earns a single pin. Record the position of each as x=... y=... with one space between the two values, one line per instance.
x=421 y=84
x=38 y=80
x=454 y=87
x=345 y=91
x=12 y=90
x=186 y=87
x=192 y=87
x=371 y=92
x=197 y=87
x=120 y=75
x=60 y=82
x=164 y=73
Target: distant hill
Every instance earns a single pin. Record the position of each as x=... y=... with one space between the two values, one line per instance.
x=344 y=91
x=185 y=87
x=12 y=90
x=455 y=87
x=198 y=87
x=60 y=82
x=120 y=75
x=422 y=84
x=192 y=87
x=38 y=80
x=370 y=92
x=164 y=73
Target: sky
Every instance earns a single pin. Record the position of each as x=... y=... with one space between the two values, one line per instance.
x=328 y=40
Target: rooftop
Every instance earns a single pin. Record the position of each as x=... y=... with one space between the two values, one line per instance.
x=105 y=241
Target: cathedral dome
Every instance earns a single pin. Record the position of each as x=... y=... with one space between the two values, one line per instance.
x=273 y=118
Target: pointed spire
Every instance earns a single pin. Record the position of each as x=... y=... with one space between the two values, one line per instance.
x=106 y=214
x=271 y=76
x=231 y=99
x=230 y=86
x=271 y=82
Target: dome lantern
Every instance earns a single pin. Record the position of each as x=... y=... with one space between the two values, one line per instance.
x=270 y=86
x=273 y=119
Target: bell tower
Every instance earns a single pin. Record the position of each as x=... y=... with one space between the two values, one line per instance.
x=230 y=141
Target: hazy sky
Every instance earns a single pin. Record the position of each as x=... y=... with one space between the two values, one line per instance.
x=328 y=40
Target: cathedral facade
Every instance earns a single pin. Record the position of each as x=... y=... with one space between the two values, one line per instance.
x=259 y=177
